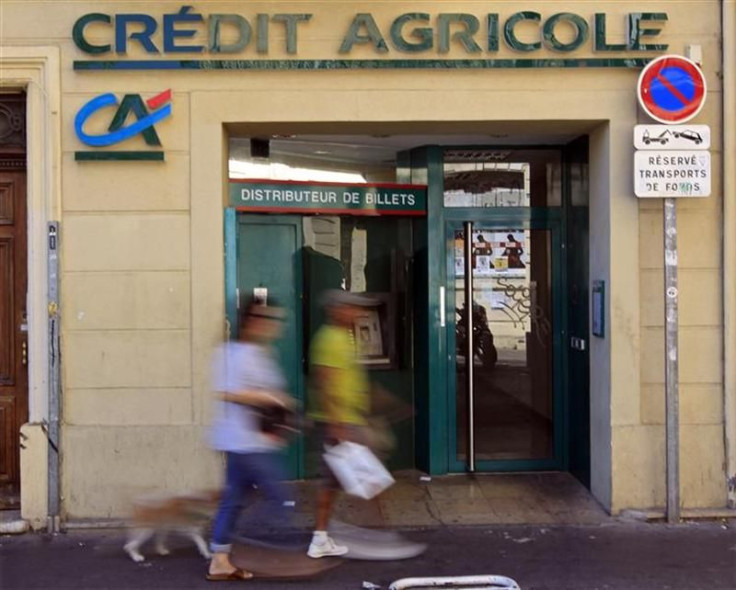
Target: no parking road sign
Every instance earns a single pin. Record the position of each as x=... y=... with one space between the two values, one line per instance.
x=672 y=89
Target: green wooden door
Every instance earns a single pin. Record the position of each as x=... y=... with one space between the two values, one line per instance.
x=269 y=257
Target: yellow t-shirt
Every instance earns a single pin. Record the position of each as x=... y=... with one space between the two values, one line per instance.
x=334 y=347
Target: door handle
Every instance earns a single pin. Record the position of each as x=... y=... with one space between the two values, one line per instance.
x=24 y=353
x=443 y=317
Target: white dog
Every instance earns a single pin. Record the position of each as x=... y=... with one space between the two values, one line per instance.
x=159 y=515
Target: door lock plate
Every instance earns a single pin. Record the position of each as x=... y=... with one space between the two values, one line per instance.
x=578 y=343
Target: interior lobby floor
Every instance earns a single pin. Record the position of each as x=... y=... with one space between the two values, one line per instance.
x=416 y=500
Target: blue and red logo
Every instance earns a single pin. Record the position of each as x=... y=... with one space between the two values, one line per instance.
x=147 y=114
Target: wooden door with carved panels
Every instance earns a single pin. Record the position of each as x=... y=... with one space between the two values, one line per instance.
x=13 y=291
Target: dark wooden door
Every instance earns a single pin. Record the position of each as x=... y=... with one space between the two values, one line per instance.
x=13 y=289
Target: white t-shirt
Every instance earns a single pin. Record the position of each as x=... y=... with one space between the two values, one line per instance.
x=237 y=366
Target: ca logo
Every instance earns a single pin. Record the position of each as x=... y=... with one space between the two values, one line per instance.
x=147 y=114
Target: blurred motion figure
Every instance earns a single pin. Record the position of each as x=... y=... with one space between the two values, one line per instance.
x=339 y=400
x=252 y=403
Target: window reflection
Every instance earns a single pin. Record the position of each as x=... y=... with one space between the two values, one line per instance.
x=487 y=185
x=365 y=255
x=492 y=178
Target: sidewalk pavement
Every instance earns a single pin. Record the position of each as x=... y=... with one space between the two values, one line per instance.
x=610 y=556
x=416 y=500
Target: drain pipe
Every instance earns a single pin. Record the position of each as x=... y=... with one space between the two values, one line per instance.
x=728 y=25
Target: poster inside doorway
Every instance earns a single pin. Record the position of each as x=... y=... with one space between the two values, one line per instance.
x=494 y=254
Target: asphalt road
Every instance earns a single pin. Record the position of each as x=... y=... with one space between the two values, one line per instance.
x=618 y=556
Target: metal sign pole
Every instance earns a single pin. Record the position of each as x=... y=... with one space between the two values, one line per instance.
x=681 y=78
x=671 y=360
x=54 y=499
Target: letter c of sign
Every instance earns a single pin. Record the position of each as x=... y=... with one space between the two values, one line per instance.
x=122 y=134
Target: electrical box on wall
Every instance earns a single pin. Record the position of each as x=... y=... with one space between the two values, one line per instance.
x=598 y=310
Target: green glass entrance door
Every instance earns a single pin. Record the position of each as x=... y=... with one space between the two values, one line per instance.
x=504 y=219
x=505 y=357
x=530 y=405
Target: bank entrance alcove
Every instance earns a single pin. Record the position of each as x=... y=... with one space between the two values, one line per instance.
x=517 y=194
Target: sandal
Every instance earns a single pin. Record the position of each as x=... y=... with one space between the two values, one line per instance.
x=236 y=574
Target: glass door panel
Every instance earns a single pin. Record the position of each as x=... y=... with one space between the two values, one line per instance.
x=513 y=327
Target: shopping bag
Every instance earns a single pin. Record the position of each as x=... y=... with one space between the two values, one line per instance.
x=358 y=470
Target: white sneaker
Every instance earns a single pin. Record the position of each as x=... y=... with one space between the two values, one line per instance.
x=325 y=548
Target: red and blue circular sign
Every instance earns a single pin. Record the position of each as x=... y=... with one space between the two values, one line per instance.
x=672 y=89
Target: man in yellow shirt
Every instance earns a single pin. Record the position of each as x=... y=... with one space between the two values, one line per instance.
x=339 y=402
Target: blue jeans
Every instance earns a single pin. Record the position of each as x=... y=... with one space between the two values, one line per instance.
x=243 y=471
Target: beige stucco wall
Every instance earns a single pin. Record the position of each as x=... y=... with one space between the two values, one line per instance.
x=142 y=302
x=34 y=474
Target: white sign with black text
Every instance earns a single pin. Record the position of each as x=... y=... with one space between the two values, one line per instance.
x=672 y=137
x=672 y=173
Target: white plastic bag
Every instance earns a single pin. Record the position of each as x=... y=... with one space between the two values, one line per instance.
x=358 y=470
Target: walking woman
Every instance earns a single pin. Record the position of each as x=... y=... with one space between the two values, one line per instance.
x=251 y=390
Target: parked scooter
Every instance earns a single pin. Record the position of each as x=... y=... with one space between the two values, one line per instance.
x=484 y=351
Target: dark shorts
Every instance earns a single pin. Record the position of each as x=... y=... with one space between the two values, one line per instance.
x=327 y=479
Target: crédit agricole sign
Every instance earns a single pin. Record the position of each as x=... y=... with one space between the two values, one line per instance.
x=418 y=39
x=188 y=39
